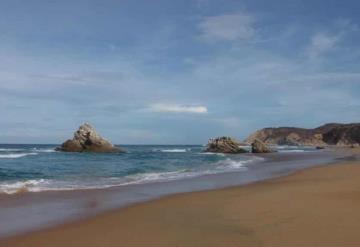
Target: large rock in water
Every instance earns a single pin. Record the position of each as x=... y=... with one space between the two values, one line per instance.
x=86 y=139
x=224 y=145
x=259 y=147
x=328 y=134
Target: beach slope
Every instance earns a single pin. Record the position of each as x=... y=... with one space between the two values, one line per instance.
x=315 y=207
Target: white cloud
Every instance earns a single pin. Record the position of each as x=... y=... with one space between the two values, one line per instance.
x=173 y=108
x=322 y=43
x=229 y=27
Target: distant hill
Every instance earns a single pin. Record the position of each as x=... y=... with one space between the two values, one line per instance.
x=328 y=134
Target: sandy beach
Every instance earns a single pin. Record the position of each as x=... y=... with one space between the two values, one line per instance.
x=179 y=123
x=315 y=207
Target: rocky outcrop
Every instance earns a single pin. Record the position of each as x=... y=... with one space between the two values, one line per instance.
x=286 y=136
x=328 y=134
x=224 y=145
x=259 y=147
x=86 y=139
x=343 y=135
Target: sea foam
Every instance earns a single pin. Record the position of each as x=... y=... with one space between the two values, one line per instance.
x=31 y=185
x=15 y=156
x=175 y=150
x=48 y=150
x=38 y=185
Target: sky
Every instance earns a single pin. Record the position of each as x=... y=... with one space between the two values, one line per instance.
x=175 y=72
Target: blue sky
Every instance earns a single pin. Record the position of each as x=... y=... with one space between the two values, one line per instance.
x=175 y=71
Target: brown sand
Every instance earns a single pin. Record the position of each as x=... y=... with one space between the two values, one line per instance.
x=315 y=207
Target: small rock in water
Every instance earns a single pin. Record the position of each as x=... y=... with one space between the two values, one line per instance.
x=86 y=139
x=224 y=145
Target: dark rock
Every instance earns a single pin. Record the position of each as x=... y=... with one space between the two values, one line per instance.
x=70 y=146
x=224 y=145
x=259 y=147
x=343 y=135
x=86 y=139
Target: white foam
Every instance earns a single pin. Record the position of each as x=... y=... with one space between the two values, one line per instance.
x=28 y=185
x=231 y=165
x=286 y=147
x=175 y=150
x=15 y=156
x=160 y=176
x=37 y=185
x=209 y=153
x=292 y=151
x=220 y=167
x=48 y=150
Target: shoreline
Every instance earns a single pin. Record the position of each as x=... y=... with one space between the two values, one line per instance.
x=216 y=214
x=352 y=156
x=50 y=208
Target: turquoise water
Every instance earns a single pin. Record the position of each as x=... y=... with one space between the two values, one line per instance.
x=39 y=168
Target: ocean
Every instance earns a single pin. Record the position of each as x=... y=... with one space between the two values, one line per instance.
x=47 y=188
x=35 y=168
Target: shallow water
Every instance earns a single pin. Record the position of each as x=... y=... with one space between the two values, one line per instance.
x=37 y=168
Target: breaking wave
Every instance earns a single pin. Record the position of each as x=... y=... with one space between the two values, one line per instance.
x=37 y=185
x=15 y=156
x=174 y=150
x=47 y=150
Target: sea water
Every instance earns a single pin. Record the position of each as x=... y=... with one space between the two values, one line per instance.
x=35 y=168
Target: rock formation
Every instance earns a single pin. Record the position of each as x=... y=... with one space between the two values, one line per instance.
x=86 y=139
x=343 y=135
x=259 y=147
x=224 y=145
x=328 y=134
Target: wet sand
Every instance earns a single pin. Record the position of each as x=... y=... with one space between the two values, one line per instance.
x=315 y=207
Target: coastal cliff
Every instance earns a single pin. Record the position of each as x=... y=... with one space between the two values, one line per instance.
x=328 y=134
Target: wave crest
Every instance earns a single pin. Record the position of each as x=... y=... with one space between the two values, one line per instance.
x=174 y=150
x=15 y=156
x=224 y=165
x=21 y=186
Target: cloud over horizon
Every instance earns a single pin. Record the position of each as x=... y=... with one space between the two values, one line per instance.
x=175 y=108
